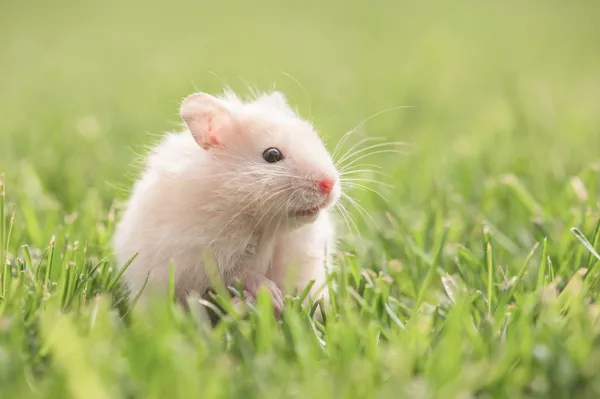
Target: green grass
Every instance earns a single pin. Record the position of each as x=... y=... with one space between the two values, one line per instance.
x=470 y=282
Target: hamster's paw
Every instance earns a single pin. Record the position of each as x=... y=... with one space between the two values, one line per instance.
x=255 y=281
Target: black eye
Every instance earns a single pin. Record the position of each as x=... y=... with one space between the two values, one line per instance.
x=272 y=155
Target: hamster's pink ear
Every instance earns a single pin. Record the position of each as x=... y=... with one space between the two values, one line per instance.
x=207 y=117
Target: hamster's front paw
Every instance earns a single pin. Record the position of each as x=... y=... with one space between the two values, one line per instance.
x=253 y=282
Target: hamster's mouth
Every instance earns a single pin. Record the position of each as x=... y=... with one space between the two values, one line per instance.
x=310 y=212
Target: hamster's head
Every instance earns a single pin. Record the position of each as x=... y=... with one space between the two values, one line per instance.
x=268 y=160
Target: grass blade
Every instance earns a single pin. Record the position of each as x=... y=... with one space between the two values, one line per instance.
x=432 y=270
x=117 y=276
x=585 y=242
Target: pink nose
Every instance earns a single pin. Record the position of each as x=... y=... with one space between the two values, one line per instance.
x=326 y=185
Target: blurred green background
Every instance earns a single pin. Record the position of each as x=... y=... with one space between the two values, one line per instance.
x=82 y=82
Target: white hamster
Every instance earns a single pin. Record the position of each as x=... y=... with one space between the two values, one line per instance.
x=249 y=181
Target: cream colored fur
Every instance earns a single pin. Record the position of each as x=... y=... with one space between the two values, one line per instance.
x=196 y=199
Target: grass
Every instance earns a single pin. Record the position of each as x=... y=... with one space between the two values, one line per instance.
x=479 y=277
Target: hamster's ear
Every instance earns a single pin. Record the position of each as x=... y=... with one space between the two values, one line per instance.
x=207 y=117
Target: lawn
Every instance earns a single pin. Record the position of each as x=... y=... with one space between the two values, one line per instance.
x=476 y=277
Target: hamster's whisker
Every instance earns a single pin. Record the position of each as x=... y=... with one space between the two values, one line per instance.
x=273 y=195
x=362 y=179
x=284 y=205
x=340 y=144
x=339 y=207
x=238 y=213
x=285 y=175
x=345 y=167
x=349 y=155
x=269 y=210
x=277 y=212
x=376 y=114
x=363 y=165
x=283 y=190
x=356 y=145
x=224 y=174
x=303 y=90
x=361 y=209
x=352 y=152
x=117 y=187
x=259 y=178
x=366 y=188
x=241 y=186
x=348 y=217
x=362 y=172
x=248 y=205
x=370 y=165
x=282 y=215
x=260 y=172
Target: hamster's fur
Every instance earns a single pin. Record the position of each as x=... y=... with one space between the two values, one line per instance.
x=213 y=189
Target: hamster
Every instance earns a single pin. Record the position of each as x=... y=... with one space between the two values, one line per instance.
x=248 y=182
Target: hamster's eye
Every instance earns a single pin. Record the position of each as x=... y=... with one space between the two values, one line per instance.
x=272 y=155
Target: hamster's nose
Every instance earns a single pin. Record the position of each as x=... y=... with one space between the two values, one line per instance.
x=326 y=185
